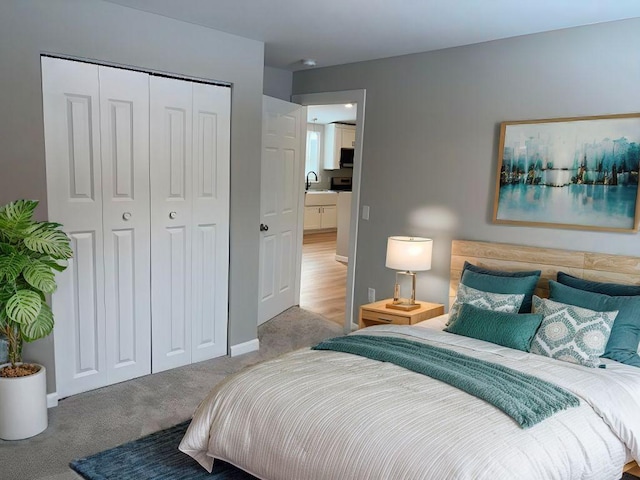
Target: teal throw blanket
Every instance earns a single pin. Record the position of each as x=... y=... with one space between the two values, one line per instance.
x=525 y=398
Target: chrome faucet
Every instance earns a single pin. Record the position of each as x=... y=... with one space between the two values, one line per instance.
x=308 y=183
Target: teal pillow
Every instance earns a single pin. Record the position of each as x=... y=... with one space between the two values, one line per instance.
x=613 y=289
x=511 y=330
x=497 y=281
x=625 y=334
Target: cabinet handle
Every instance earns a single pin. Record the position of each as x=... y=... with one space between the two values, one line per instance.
x=126 y=216
x=172 y=215
x=382 y=319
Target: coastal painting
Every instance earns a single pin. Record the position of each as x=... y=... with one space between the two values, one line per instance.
x=570 y=173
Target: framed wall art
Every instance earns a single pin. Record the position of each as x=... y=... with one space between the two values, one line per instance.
x=577 y=173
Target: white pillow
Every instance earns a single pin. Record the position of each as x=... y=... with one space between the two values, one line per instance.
x=571 y=334
x=498 y=302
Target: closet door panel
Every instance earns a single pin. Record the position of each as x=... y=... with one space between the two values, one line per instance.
x=210 y=250
x=74 y=194
x=124 y=115
x=171 y=221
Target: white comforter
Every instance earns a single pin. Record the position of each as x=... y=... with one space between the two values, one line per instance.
x=330 y=415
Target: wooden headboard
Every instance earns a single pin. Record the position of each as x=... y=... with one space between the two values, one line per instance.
x=502 y=256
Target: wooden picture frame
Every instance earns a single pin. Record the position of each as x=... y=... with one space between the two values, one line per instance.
x=579 y=173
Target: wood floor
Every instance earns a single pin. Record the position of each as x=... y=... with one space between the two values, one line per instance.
x=324 y=280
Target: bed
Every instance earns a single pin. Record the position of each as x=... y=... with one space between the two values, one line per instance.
x=316 y=414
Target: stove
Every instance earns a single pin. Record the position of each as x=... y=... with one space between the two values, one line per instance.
x=342 y=184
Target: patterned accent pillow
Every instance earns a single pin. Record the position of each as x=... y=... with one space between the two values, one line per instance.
x=499 y=302
x=571 y=334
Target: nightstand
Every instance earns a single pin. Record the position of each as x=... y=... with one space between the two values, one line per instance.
x=378 y=314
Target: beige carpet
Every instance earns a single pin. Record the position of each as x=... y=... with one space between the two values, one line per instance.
x=94 y=421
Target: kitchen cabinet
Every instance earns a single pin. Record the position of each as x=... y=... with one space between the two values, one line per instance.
x=317 y=217
x=337 y=136
x=320 y=211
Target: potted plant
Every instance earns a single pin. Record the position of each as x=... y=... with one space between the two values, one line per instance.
x=30 y=254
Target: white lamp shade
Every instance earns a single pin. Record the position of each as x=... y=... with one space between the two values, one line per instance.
x=412 y=254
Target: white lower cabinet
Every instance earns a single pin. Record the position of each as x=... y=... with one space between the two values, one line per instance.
x=320 y=209
x=138 y=174
x=321 y=216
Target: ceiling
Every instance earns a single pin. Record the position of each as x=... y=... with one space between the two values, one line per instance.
x=335 y=32
x=323 y=114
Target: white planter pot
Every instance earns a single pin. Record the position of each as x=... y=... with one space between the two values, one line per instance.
x=23 y=405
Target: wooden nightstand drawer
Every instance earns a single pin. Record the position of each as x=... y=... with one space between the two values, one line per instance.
x=378 y=313
x=385 y=317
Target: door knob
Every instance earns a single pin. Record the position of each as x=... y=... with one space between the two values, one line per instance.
x=126 y=216
x=263 y=227
x=172 y=215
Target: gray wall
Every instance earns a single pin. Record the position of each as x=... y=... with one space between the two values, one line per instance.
x=106 y=32
x=277 y=83
x=431 y=133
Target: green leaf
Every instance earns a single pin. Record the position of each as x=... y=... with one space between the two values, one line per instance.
x=24 y=306
x=47 y=239
x=7 y=248
x=39 y=275
x=58 y=267
x=39 y=328
x=3 y=316
x=11 y=266
x=16 y=218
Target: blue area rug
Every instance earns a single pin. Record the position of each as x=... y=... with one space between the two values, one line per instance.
x=155 y=456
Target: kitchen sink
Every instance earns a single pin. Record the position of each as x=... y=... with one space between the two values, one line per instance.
x=321 y=197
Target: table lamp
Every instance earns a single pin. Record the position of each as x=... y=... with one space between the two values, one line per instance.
x=408 y=255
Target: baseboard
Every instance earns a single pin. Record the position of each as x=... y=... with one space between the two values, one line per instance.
x=354 y=327
x=246 y=347
x=52 y=400
x=341 y=258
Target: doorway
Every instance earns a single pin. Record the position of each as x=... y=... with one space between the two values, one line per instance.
x=330 y=132
x=336 y=298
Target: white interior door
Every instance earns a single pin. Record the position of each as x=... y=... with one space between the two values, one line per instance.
x=283 y=146
x=124 y=127
x=71 y=107
x=210 y=250
x=171 y=224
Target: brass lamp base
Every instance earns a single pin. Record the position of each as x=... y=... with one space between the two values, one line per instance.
x=403 y=306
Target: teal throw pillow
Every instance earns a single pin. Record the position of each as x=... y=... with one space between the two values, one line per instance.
x=500 y=302
x=571 y=334
x=625 y=334
x=511 y=330
x=497 y=281
x=612 y=289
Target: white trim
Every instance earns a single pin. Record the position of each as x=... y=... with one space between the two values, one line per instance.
x=354 y=327
x=246 y=347
x=52 y=400
x=342 y=258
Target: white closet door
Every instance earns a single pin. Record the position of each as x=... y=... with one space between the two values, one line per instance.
x=74 y=194
x=210 y=249
x=171 y=138
x=124 y=125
